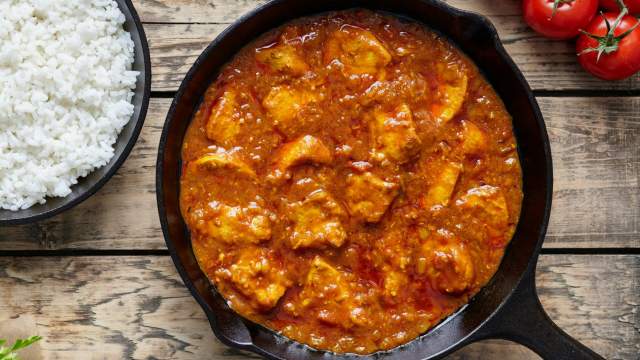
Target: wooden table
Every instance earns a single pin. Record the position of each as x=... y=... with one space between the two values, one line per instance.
x=97 y=281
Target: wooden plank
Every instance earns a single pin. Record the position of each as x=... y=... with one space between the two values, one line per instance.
x=596 y=150
x=225 y=11
x=221 y=11
x=194 y=11
x=174 y=48
x=596 y=156
x=136 y=307
x=178 y=31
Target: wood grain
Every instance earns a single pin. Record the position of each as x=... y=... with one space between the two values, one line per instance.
x=596 y=156
x=136 y=307
x=178 y=31
x=596 y=151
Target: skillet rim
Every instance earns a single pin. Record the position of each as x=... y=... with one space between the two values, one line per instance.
x=542 y=226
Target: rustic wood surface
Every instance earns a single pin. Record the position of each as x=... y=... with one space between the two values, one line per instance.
x=127 y=301
x=136 y=307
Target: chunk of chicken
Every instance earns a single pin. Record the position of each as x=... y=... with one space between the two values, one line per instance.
x=488 y=204
x=283 y=58
x=441 y=190
x=358 y=50
x=394 y=135
x=392 y=247
x=404 y=86
x=257 y=277
x=394 y=282
x=474 y=140
x=453 y=92
x=305 y=149
x=317 y=221
x=249 y=224
x=224 y=123
x=325 y=281
x=446 y=263
x=369 y=196
x=223 y=159
x=328 y=289
x=284 y=104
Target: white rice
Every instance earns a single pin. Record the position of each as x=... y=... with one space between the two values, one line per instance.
x=65 y=94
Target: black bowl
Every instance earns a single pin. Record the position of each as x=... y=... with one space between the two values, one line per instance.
x=88 y=185
x=507 y=307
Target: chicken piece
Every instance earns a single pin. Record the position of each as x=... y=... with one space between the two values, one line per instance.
x=328 y=290
x=446 y=262
x=233 y=224
x=403 y=86
x=392 y=248
x=488 y=205
x=369 y=196
x=325 y=281
x=283 y=58
x=441 y=190
x=317 y=221
x=474 y=140
x=257 y=277
x=452 y=92
x=358 y=50
x=223 y=159
x=394 y=282
x=225 y=120
x=394 y=135
x=284 y=104
x=305 y=149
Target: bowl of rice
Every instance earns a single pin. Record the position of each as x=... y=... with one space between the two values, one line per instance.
x=75 y=82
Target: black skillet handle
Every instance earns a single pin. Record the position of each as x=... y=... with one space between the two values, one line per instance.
x=523 y=320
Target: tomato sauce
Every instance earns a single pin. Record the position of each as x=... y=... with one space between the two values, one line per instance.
x=350 y=180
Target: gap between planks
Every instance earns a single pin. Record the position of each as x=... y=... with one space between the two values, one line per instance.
x=165 y=252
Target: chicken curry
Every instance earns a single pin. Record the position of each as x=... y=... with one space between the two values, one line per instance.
x=350 y=180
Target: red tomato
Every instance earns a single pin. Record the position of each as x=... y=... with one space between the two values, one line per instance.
x=565 y=23
x=621 y=58
x=612 y=5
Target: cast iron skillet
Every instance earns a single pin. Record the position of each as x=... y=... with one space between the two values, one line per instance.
x=88 y=185
x=507 y=308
